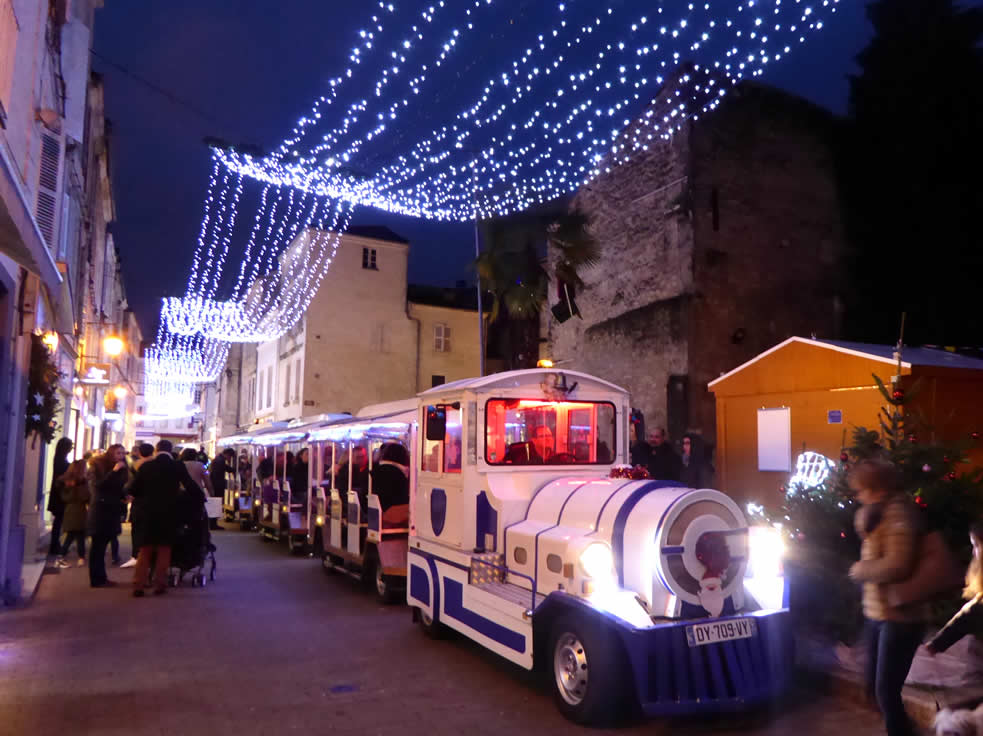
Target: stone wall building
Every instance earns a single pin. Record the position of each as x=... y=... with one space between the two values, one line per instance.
x=717 y=242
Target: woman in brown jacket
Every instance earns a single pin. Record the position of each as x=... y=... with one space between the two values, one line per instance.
x=888 y=523
x=74 y=488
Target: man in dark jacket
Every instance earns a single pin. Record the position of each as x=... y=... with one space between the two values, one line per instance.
x=664 y=463
x=224 y=463
x=156 y=488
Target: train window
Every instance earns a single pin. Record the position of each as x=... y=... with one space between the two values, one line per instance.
x=520 y=555
x=538 y=432
x=554 y=563
x=443 y=455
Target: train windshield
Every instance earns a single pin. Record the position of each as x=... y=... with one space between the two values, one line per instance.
x=536 y=432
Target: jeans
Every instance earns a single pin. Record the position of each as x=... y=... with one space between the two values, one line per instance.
x=891 y=647
x=55 y=548
x=79 y=539
x=160 y=568
x=114 y=547
x=97 y=559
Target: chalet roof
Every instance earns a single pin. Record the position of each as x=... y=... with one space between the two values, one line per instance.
x=925 y=357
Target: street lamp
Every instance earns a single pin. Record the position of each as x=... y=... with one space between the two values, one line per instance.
x=120 y=392
x=113 y=346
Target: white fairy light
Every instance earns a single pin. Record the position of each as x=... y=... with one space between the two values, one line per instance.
x=595 y=89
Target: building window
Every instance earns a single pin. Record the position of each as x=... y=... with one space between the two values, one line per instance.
x=368 y=259
x=436 y=380
x=297 y=382
x=286 y=387
x=269 y=387
x=441 y=338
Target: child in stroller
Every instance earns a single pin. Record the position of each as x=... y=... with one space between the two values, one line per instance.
x=193 y=550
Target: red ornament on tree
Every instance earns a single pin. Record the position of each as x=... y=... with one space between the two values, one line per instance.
x=974 y=435
x=844 y=458
x=898 y=394
x=950 y=476
x=913 y=439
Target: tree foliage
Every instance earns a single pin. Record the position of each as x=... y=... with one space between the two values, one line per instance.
x=910 y=180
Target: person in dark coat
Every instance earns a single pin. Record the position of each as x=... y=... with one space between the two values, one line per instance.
x=74 y=491
x=56 y=507
x=298 y=479
x=664 y=463
x=969 y=619
x=107 y=483
x=391 y=477
x=145 y=453
x=696 y=471
x=157 y=485
x=224 y=463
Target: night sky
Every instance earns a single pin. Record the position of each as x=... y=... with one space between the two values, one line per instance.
x=247 y=69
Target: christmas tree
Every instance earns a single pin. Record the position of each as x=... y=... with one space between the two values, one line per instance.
x=818 y=520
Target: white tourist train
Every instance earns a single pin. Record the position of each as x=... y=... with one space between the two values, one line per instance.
x=526 y=533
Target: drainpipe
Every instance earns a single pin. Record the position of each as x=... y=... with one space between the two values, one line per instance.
x=419 y=331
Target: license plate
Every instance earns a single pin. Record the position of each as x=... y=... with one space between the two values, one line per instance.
x=738 y=628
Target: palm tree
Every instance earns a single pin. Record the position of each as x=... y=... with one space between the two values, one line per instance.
x=512 y=268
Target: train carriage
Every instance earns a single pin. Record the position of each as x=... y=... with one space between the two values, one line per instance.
x=240 y=502
x=522 y=540
x=350 y=533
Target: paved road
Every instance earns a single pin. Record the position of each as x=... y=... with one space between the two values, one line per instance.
x=276 y=646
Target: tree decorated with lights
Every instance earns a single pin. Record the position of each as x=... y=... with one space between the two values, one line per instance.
x=42 y=393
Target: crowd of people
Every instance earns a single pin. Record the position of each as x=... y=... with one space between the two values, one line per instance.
x=91 y=498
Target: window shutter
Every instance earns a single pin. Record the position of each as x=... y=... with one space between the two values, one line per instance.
x=447 y=339
x=297 y=383
x=47 y=205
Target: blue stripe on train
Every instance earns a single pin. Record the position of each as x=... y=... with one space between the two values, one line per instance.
x=454 y=608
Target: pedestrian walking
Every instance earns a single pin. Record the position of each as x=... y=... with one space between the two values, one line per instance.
x=145 y=452
x=74 y=491
x=224 y=463
x=664 y=463
x=889 y=525
x=156 y=488
x=695 y=471
x=56 y=507
x=969 y=620
x=107 y=483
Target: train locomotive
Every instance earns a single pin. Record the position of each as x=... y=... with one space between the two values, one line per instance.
x=614 y=586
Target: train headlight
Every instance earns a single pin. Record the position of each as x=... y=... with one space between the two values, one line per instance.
x=766 y=552
x=256 y=502
x=597 y=562
x=319 y=521
x=283 y=509
x=765 y=576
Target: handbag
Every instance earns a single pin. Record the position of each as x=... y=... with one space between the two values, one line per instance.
x=936 y=572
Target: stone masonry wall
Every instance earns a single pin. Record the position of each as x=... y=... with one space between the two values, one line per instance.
x=768 y=264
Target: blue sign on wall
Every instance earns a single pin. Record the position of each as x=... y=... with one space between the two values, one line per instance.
x=834 y=416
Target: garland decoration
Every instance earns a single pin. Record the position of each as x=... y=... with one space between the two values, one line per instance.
x=42 y=393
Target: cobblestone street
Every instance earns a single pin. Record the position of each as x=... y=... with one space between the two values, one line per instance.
x=277 y=646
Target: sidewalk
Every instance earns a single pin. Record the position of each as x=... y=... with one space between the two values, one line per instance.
x=823 y=669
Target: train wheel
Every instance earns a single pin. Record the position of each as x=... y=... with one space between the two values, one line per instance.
x=430 y=626
x=384 y=588
x=585 y=668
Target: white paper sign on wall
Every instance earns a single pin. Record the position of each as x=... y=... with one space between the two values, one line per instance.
x=775 y=439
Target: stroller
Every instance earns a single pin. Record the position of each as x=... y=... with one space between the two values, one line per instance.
x=193 y=550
